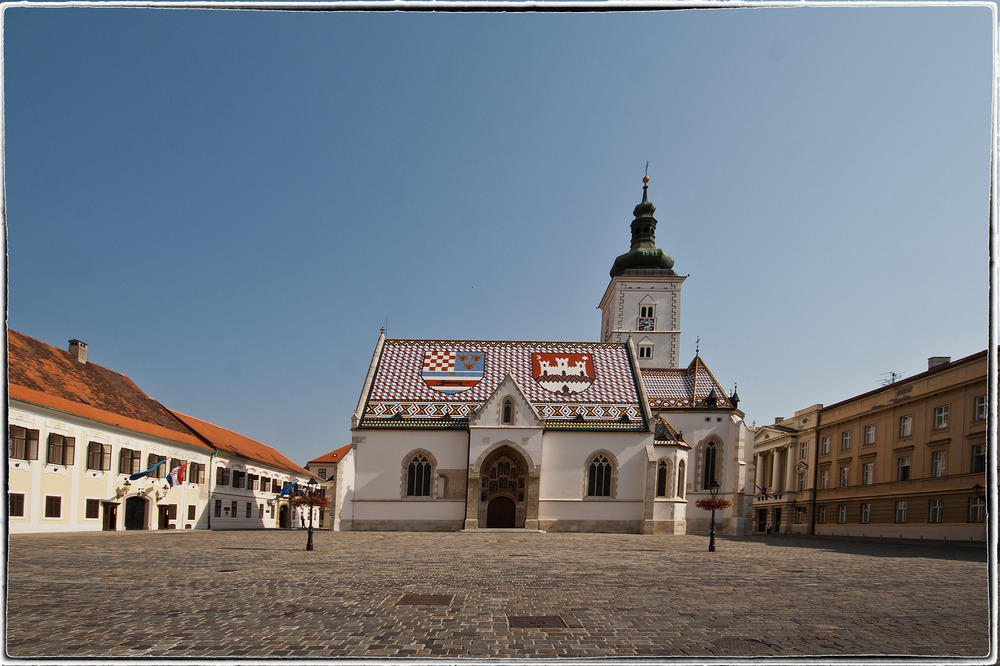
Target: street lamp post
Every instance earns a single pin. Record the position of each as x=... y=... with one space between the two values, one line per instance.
x=713 y=488
x=312 y=490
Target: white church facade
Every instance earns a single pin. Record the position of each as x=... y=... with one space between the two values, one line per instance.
x=608 y=436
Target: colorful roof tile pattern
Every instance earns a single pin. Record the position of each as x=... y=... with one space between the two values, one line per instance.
x=47 y=376
x=569 y=384
x=233 y=442
x=691 y=387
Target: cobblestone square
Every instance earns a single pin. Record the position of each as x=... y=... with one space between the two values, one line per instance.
x=488 y=595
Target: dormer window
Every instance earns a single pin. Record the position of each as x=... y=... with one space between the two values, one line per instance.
x=507 y=412
x=645 y=351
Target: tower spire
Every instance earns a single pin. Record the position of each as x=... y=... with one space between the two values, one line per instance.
x=643 y=257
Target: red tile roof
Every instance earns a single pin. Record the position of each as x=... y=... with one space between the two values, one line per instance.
x=668 y=388
x=46 y=376
x=332 y=456
x=232 y=442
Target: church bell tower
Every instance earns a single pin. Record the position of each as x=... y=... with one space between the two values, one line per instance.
x=644 y=298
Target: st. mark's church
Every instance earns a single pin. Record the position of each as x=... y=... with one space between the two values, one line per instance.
x=609 y=436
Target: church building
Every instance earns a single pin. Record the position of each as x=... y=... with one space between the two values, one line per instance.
x=608 y=436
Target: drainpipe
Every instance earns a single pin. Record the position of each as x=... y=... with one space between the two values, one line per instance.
x=211 y=473
x=812 y=520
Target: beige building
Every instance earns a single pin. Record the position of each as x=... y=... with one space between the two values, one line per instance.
x=907 y=460
x=330 y=473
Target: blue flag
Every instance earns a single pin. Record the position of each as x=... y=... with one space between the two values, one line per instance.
x=139 y=475
x=286 y=489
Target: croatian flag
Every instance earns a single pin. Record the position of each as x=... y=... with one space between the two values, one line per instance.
x=139 y=475
x=176 y=476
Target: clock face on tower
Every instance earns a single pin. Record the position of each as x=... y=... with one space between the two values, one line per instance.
x=645 y=324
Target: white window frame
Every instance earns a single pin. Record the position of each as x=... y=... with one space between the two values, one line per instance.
x=841 y=513
x=821 y=514
x=845 y=440
x=979 y=408
x=900 y=516
x=803 y=450
x=824 y=479
x=866 y=513
x=938 y=464
x=977 y=509
x=869 y=434
x=941 y=417
x=845 y=475
x=935 y=510
x=903 y=462
x=906 y=425
x=867 y=473
x=825 y=445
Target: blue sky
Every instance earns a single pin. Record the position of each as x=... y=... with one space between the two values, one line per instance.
x=227 y=206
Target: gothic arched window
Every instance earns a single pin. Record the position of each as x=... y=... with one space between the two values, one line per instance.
x=418 y=476
x=507 y=412
x=708 y=466
x=599 y=476
x=662 y=478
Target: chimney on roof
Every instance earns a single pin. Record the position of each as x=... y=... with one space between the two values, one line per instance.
x=778 y=419
x=79 y=350
x=935 y=361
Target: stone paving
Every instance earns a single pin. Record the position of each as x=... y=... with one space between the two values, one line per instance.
x=234 y=596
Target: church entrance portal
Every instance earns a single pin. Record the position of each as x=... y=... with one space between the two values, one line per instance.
x=501 y=512
x=135 y=513
x=503 y=480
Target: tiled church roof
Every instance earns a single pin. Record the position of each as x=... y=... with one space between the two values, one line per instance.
x=44 y=375
x=691 y=387
x=440 y=383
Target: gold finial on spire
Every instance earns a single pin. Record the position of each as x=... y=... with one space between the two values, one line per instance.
x=645 y=176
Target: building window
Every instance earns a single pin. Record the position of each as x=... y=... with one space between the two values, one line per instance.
x=53 y=506
x=321 y=472
x=249 y=509
x=645 y=351
x=265 y=485
x=646 y=310
x=15 y=504
x=825 y=446
x=869 y=434
x=979 y=408
x=22 y=443
x=845 y=440
x=841 y=513
x=977 y=509
x=803 y=450
x=239 y=479
x=507 y=412
x=936 y=508
x=93 y=509
x=680 y=479
x=98 y=456
x=233 y=508
x=800 y=513
x=599 y=472
x=161 y=471
x=801 y=482
x=866 y=513
x=937 y=464
x=821 y=514
x=868 y=473
x=128 y=461
x=192 y=511
x=901 y=511
x=222 y=476
x=941 y=417
x=824 y=479
x=60 y=450
x=195 y=473
x=903 y=468
x=905 y=425
x=708 y=472
x=662 y=478
x=218 y=508
x=978 y=458
x=844 y=474
x=418 y=476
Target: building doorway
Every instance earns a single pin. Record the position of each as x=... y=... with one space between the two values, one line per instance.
x=110 y=518
x=502 y=484
x=761 y=520
x=135 y=513
x=283 y=515
x=501 y=512
x=777 y=521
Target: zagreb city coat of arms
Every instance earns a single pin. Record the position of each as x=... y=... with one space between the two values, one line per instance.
x=563 y=373
x=452 y=371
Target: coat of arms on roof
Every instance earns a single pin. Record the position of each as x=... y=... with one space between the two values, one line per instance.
x=563 y=373
x=452 y=371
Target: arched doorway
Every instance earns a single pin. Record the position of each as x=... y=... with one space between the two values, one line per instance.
x=501 y=512
x=135 y=513
x=283 y=515
x=502 y=486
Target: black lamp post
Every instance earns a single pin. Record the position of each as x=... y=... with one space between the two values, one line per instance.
x=713 y=488
x=312 y=490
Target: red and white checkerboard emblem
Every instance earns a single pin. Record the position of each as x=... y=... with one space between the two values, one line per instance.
x=453 y=371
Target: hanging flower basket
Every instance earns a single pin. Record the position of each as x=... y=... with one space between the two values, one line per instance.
x=306 y=500
x=709 y=503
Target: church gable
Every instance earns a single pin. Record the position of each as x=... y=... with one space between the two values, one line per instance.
x=445 y=383
x=691 y=387
x=507 y=407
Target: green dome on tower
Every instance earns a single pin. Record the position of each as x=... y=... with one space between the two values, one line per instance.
x=643 y=258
